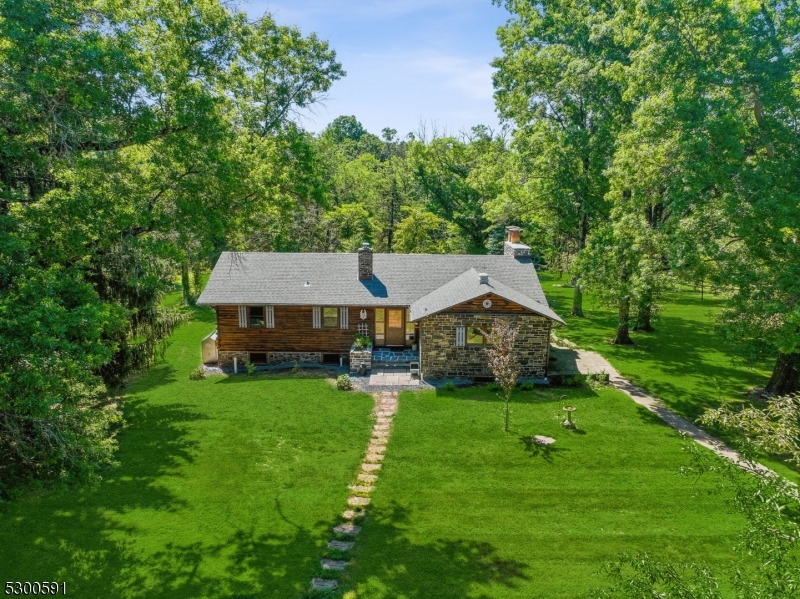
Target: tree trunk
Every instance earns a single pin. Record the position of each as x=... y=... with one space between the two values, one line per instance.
x=577 y=302
x=187 y=292
x=643 y=321
x=785 y=377
x=623 y=336
x=197 y=278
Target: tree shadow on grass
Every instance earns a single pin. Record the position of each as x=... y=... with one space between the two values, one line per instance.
x=393 y=565
x=101 y=542
x=158 y=375
x=538 y=450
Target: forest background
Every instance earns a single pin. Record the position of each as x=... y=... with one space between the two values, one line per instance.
x=645 y=145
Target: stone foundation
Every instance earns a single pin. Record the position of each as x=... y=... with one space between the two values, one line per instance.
x=285 y=357
x=440 y=358
x=226 y=358
x=273 y=357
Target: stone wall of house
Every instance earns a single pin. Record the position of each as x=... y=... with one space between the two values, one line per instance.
x=440 y=358
x=273 y=357
x=226 y=358
x=300 y=357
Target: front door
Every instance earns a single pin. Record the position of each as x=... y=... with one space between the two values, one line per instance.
x=395 y=329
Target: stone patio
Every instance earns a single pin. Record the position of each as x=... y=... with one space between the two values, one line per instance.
x=392 y=377
x=385 y=355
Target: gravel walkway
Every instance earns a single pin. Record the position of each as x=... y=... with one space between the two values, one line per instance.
x=590 y=362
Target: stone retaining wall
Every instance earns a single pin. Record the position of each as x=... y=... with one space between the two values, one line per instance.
x=440 y=358
x=359 y=358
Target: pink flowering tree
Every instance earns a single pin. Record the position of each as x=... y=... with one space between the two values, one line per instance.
x=503 y=360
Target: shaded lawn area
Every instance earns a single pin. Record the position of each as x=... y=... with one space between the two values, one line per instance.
x=463 y=510
x=684 y=362
x=227 y=487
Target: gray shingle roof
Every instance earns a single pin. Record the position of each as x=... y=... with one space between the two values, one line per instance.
x=399 y=279
x=467 y=286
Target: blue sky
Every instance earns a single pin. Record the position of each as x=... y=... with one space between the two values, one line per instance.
x=407 y=61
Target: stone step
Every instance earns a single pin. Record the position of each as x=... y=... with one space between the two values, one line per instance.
x=362 y=488
x=376 y=448
x=370 y=467
x=332 y=564
x=341 y=545
x=323 y=584
x=367 y=478
x=352 y=514
x=358 y=501
x=348 y=529
x=382 y=427
x=374 y=457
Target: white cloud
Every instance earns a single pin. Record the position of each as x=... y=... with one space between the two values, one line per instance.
x=470 y=76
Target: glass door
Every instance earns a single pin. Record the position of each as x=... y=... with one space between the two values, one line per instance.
x=380 y=327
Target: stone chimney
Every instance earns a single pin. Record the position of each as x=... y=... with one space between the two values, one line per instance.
x=365 y=263
x=513 y=247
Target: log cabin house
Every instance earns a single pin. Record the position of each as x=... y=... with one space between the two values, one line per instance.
x=425 y=309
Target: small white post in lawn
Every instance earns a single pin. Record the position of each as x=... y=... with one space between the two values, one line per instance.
x=235 y=366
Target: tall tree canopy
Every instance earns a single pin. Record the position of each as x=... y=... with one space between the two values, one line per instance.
x=132 y=135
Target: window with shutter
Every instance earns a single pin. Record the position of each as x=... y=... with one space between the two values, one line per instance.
x=243 y=316
x=330 y=318
x=256 y=316
x=270 y=310
x=344 y=320
x=460 y=336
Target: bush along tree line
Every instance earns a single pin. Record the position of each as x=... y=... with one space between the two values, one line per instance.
x=644 y=145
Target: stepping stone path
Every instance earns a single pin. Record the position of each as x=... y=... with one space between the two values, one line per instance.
x=333 y=564
x=385 y=408
x=323 y=584
x=341 y=545
x=350 y=530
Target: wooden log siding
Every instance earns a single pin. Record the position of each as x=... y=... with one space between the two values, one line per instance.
x=293 y=331
x=499 y=306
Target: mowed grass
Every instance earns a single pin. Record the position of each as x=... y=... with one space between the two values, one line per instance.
x=227 y=487
x=464 y=510
x=684 y=362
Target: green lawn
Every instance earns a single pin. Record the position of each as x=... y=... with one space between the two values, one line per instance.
x=463 y=510
x=226 y=487
x=684 y=362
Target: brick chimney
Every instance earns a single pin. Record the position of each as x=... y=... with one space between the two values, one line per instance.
x=513 y=247
x=365 y=263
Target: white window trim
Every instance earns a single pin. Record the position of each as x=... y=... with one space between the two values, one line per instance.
x=344 y=321
x=243 y=317
x=269 y=317
x=461 y=336
x=316 y=317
